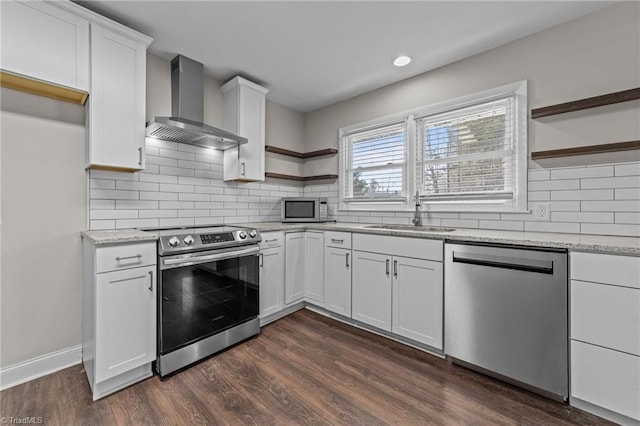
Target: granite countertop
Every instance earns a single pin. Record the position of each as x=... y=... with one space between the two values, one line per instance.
x=576 y=242
x=119 y=236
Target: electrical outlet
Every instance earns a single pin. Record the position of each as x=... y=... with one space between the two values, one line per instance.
x=541 y=211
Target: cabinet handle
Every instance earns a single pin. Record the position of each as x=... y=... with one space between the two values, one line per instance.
x=243 y=169
x=150 y=280
x=118 y=258
x=347 y=260
x=261 y=259
x=140 y=156
x=334 y=240
x=395 y=268
x=387 y=264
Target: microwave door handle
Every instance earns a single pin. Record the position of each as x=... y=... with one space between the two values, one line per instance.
x=194 y=260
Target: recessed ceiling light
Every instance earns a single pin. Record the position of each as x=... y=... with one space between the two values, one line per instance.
x=401 y=61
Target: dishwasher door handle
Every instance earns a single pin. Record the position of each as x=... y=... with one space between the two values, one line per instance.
x=498 y=262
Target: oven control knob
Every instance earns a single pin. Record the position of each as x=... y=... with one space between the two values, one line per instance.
x=174 y=241
x=242 y=235
x=253 y=233
x=188 y=240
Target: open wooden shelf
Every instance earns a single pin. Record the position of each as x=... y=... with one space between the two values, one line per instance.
x=37 y=87
x=299 y=178
x=596 y=101
x=303 y=155
x=584 y=150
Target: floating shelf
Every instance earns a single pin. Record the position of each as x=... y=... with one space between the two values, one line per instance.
x=303 y=155
x=596 y=101
x=584 y=150
x=299 y=178
x=37 y=87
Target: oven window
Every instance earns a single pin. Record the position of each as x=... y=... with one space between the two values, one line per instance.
x=198 y=301
x=299 y=209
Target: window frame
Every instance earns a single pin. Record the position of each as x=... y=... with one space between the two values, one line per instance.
x=517 y=204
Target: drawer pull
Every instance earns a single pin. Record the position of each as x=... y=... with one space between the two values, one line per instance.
x=118 y=258
x=335 y=240
x=271 y=241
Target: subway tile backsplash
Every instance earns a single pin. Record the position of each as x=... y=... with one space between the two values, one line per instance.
x=182 y=185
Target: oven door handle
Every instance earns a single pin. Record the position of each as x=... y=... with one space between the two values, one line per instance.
x=192 y=260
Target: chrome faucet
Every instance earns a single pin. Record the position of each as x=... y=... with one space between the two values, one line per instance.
x=417 y=214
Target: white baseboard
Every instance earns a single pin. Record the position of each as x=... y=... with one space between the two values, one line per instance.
x=40 y=366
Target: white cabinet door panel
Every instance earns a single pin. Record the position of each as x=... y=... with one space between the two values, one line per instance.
x=45 y=42
x=606 y=378
x=337 y=280
x=418 y=300
x=606 y=315
x=271 y=281
x=314 y=267
x=125 y=321
x=371 y=297
x=294 y=267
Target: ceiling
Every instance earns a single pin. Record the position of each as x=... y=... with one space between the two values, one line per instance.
x=310 y=54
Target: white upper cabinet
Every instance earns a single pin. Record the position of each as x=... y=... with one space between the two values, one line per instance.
x=244 y=115
x=117 y=100
x=46 y=42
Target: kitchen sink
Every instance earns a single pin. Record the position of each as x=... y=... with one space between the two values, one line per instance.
x=412 y=228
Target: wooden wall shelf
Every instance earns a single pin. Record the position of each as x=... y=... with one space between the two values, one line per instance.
x=37 y=87
x=596 y=101
x=299 y=178
x=584 y=150
x=303 y=155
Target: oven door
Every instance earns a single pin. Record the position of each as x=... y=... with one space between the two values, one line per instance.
x=201 y=294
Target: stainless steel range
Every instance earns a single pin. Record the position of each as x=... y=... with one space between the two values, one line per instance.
x=208 y=292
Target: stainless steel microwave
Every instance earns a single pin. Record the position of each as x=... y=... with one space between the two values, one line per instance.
x=305 y=209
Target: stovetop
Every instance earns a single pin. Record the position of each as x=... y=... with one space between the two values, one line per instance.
x=174 y=240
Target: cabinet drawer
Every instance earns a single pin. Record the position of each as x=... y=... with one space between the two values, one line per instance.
x=337 y=239
x=124 y=256
x=607 y=378
x=271 y=239
x=606 y=315
x=417 y=248
x=606 y=268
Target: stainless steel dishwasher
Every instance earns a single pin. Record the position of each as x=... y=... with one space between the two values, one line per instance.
x=506 y=314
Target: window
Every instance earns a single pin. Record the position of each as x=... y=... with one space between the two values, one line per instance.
x=467 y=154
x=376 y=163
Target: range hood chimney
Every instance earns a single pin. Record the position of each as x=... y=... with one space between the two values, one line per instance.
x=187 y=111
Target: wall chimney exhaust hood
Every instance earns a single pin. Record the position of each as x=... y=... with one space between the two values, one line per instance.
x=187 y=109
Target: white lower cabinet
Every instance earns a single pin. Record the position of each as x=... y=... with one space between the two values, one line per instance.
x=398 y=293
x=271 y=274
x=119 y=315
x=418 y=300
x=605 y=335
x=314 y=267
x=294 y=267
x=337 y=280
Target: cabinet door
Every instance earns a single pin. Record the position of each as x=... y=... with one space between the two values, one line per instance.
x=244 y=114
x=607 y=378
x=337 y=280
x=117 y=101
x=125 y=321
x=418 y=300
x=294 y=267
x=314 y=266
x=45 y=42
x=271 y=281
x=371 y=301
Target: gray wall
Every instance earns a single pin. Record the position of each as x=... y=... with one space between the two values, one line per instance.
x=43 y=212
x=592 y=55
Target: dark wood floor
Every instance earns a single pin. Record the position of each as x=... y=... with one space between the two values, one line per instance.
x=303 y=369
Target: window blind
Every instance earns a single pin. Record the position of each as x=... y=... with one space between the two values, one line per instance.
x=376 y=163
x=467 y=153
